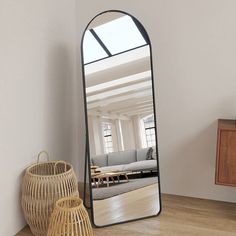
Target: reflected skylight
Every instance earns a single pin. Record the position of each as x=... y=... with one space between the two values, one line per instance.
x=120 y=35
x=111 y=38
x=92 y=49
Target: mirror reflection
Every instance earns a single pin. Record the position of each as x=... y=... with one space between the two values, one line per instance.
x=120 y=119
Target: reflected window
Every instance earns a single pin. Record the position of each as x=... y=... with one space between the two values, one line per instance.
x=107 y=135
x=149 y=127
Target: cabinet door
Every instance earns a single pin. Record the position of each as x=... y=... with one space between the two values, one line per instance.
x=227 y=158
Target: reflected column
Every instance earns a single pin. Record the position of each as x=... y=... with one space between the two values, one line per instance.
x=95 y=135
x=120 y=142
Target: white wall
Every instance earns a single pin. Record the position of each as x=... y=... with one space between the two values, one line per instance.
x=37 y=61
x=194 y=54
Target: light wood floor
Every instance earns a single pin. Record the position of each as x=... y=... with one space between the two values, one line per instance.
x=135 y=204
x=181 y=216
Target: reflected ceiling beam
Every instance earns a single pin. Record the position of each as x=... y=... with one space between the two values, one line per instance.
x=121 y=71
x=132 y=88
x=128 y=103
x=141 y=115
x=139 y=111
x=118 y=60
x=108 y=115
x=131 y=108
x=146 y=75
x=146 y=101
x=105 y=102
x=119 y=86
x=121 y=112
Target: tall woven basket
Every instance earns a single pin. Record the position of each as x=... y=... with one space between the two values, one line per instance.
x=43 y=184
x=69 y=218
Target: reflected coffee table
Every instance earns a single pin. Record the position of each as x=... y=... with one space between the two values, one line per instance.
x=107 y=176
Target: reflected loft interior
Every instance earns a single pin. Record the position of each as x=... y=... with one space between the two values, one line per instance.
x=123 y=153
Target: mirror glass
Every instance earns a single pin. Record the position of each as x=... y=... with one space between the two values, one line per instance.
x=123 y=153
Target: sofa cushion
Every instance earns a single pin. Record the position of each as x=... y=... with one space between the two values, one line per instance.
x=111 y=168
x=149 y=155
x=100 y=160
x=141 y=154
x=120 y=158
x=141 y=165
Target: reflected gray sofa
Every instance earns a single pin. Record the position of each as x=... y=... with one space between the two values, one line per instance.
x=130 y=160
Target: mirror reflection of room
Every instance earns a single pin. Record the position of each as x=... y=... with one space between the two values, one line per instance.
x=121 y=122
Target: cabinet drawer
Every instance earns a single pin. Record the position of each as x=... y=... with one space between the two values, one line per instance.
x=226 y=160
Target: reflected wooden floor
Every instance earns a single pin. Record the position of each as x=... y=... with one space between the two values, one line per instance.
x=139 y=203
x=181 y=216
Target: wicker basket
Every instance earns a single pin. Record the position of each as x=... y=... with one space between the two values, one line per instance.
x=43 y=184
x=69 y=218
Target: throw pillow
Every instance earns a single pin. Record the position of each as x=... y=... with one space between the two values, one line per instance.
x=149 y=154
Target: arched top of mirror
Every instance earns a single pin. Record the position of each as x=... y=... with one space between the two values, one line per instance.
x=112 y=33
x=115 y=44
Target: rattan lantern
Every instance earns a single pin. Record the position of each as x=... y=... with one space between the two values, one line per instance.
x=43 y=184
x=70 y=218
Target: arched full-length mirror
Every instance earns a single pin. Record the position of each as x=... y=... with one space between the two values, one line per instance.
x=120 y=115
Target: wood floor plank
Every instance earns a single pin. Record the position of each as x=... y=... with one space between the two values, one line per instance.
x=181 y=216
x=135 y=204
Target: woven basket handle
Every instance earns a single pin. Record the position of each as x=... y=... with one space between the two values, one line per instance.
x=55 y=166
x=41 y=153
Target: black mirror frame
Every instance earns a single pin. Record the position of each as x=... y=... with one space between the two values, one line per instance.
x=87 y=151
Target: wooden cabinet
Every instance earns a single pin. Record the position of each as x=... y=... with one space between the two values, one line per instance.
x=226 y=153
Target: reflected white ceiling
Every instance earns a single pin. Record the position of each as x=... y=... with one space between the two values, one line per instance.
x=120 y=86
